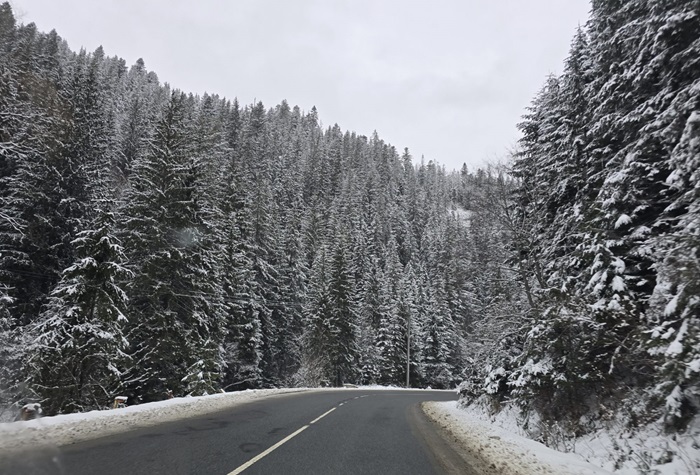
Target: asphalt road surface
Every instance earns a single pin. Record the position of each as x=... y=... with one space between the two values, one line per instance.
x=338 y=432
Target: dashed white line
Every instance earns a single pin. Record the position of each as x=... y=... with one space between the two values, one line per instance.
x=322 y=416
x=283 y=441
x=267 y=452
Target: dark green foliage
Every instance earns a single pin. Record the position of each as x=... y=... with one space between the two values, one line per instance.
x=605 y=233
x=176 y=335
x=78 y=357
x=154 y=242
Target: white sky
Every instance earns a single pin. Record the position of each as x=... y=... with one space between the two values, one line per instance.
x=449 y=79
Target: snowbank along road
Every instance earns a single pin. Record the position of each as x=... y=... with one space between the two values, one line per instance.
x=315 y=432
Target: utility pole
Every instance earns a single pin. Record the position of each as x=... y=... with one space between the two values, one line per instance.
x=408 y=352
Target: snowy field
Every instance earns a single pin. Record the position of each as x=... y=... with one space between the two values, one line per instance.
x=504 y=445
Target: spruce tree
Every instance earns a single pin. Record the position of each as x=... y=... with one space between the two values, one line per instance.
x=176 y=338
x=77 y=361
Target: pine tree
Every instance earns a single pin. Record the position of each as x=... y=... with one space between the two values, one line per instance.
x=264 y=250
x=292 y=269
x=393 y=324
x=330 y=338
x=674 y=304
x=654 y=99
x=316 y=363
x=370 y=317
x=136 y=116
x=8 y=30
x=438 y=335
x=11 y=355
x=342 y=319
x=79 y=355
x=606 y=189
x=257 y=231
x=175 y=342
x=243 y=338
x=40 y=205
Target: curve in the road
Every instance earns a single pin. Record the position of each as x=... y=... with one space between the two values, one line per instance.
x=329 y=432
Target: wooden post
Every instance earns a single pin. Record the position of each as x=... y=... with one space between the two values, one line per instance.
x=119 y=401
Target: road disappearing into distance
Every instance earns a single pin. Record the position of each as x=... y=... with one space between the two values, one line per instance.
x=326 y=432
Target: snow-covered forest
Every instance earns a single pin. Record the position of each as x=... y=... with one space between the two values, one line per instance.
x=156 y=242
x=606 y=225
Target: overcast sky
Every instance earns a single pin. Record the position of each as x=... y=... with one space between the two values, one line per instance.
x=449 y=79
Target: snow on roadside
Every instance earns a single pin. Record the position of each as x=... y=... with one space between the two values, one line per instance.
x=647 y=449
x=614 y=446
x=377 y=387
x=502 y=451
x=71 y=428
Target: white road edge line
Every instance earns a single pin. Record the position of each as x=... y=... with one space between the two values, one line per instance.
x=322 y=416
x=267 y=452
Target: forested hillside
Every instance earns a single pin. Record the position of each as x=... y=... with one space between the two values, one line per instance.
x=607 y=223
x=155 y=242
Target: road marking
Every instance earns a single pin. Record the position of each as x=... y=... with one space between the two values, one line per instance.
x=267 y=452
x=322 y=416
x=278 y=444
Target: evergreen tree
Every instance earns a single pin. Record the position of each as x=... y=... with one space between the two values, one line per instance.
x=393 y=321
x=438 y=334
x=330 y=339
x=257 y=231
x=316 y=362
x=342 y=319
x=79 y=355
x=261 y=249
x=175 y=341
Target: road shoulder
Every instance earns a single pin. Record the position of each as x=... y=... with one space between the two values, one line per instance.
x=449 y=450
x=491 y=451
